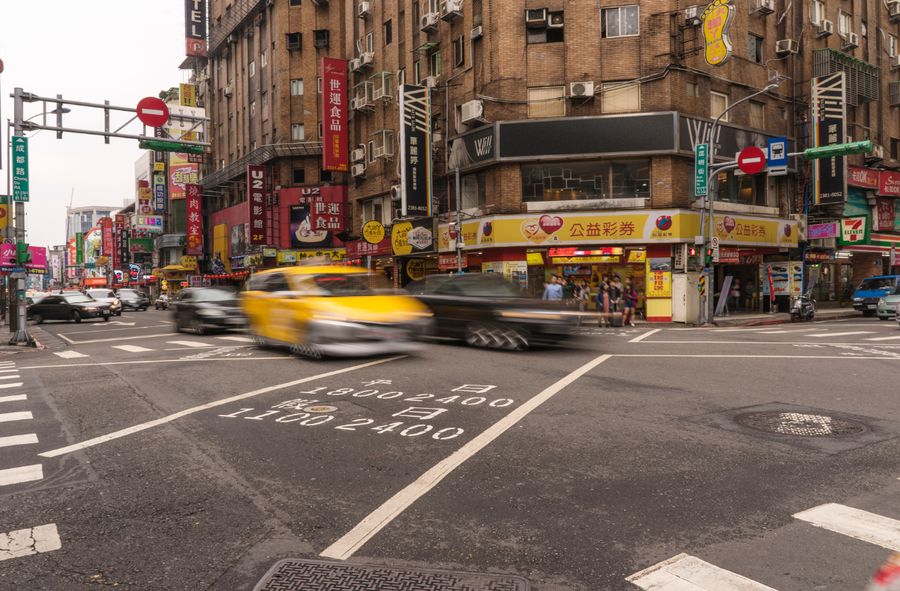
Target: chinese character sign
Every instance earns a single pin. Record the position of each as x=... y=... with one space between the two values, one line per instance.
x=829 y=127
x=334 y=115
x=194 y=220
x=327 y=213
x=257 y=182
x=106 y=227
x=19 y=165
x=415 y=150
x=159 y=192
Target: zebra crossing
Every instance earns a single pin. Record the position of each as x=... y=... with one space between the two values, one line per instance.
x=824 y=333
x=168 y=345
x=686 y=572
x=13 y=433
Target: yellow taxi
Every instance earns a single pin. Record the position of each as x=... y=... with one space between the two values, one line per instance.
x=332 y=310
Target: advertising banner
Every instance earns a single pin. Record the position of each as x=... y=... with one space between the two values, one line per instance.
x=4 y=216
x=194 y=215
x=293 y=256
x=195 y=16
x=303 y=235
x=108 y=246
x=826 y=230
x=335 y=155
x=181 y=172
x=257 y=182
x=413 y=236
x=8 y=255
x=888 y=183
x=238 y=241
x=151 y=224
x=829 y=118
x=716 y=19
x=79 y=248
x=867 y=178
x=884 y=215
x=853 y=230
x=187 y=95
x=328 y=213
x=659 y=284
x=159 y=192
x=361 y=248
x=144 y=205
x=415 y=150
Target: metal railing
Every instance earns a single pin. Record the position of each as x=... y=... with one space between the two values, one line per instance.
x=231 y=20
x=260 y=156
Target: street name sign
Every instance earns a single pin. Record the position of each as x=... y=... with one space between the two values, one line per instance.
x=19 y=166
x=701 y=169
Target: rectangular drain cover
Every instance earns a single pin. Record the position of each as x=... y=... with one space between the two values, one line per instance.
x=316 y=575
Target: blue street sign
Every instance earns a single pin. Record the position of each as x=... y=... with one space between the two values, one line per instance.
x=777 y=154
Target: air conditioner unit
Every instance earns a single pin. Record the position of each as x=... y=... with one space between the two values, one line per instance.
x=385 y=151
x=894 y=10
x=536 y=18
x=762 y=7
x=358 y=154
x=692 y=16
x=429 y=22
x=826 y=28
x=877 y=152
x=895 y=62
x=556 y=20
x=396 y=192
x=786 y=47
x=476 y=33
x=363 y=9
x=321 y=38
x=358 y=170
x=451 y=9
x=398 y=214
x=229 y=90
x=355 y=64
x=430 y=81
x=366 y=58
x=472 y=111
x=581 y=89
x=353 y=104
x=851 y=42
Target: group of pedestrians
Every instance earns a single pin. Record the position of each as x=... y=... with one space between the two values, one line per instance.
x=616 y=301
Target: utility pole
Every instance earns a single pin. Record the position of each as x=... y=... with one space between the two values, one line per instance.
x=21 y=336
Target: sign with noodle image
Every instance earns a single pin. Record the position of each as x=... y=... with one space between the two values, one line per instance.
x=717 y=18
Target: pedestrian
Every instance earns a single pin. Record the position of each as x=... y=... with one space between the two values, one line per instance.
x=603 y=305
x=582 y=297
x=615 y=299
x=629 y=298
x=553 y=290
x=749 y=294
x=735 y=295
x=569 y=291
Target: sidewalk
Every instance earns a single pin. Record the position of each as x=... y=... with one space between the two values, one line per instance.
x=37 y=333
x=782 y=318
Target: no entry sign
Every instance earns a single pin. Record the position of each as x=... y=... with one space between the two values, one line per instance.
x=152 y=112
x=751 y=160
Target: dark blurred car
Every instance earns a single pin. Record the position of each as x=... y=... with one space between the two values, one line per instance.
x=485 y=310
x=207 y=308
x=872 y=289
x=68 y=306
x=162 y=302
x=108 y=297
x=132 y=299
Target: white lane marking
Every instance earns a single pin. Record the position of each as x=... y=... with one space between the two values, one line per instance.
x=110 y=340
x=69 y=354
x=18 y=440
x=238 y=339
x=785 y=343
x=855 y=523
x=132 y=348
x=6 y=417
x=688 y=573
x=793 y=330
x=103 y=328
x=151 y=361
x=21 y=474
x=188 y=411
x=723 y=356
x=5 y=386
x=16 y=398
x=15 y=377
x=840 y=334
x=25 y=542
x=640 y=338
x=743 y=329
x=353 y=540
x=193 y=344
x=882 y=338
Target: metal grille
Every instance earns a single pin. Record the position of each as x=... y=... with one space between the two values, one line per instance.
x=231 y=20
x=801 y=424
x=313 y=575
x=894 y=93
x=863 y=79
x=260 y=155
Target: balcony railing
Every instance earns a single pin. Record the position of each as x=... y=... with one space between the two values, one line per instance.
x=231 y=20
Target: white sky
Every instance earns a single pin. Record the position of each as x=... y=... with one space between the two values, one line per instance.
x=87 y=50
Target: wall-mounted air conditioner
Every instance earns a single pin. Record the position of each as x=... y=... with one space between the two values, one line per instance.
x=472 y=111
x=358 y=170
x=430 y=81
x=355 y=64
x=851 y=42
x=366 y=59
x=358 y=154
x=692 y=16
x=429 y=22
x=396 y=193
x=536 y=18
x=762 y=7
x=894 y=10
x=786 y=47
x=476 y=33
x=556 y=20
x=451 y=9
x=229 y=90
x=826 y=28
x=581 y=89
x=363 y=9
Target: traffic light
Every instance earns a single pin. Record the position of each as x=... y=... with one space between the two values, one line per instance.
x=708 y=256
x=23 y=256
x=692 y=251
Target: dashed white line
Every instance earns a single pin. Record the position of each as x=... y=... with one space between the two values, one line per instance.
x=855 y=523
x=110 y=340
x=193 y=344
x=25 y=542
x=132 y=348
x=840 y=334
x=69 y=354
x=15 y=398
x=236 y=338
x=788 y=331
x=21 y=474
x=8 y=370
x=7 y=417
x=688 y=573
x=11 y=440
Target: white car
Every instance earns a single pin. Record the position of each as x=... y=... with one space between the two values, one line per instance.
x=108 y=297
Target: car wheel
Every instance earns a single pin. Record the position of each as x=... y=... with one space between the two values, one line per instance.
x=478 y=335
x=513 y=339
x=76 y=317
x=198 y=327
x=883 y=318
x=106 y=318
x=38 y=319
x=868 y=313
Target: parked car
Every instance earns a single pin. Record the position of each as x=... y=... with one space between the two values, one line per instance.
x=872 y=289
x=162 y=302
x=68 y=306
x=133 y=299
x=107 y=296
x=887 y=305
x=485 y=310
x=202 y=309
x=332 y=310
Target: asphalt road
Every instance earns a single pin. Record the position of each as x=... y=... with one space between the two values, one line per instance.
x=136 y=457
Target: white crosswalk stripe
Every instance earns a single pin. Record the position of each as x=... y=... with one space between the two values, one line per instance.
x=132 y=348
x=688 y=573
x=195 y=344
x=883 y=338
x=11 y=377
x=69 y=354
x=789 y=331
x=8 y=370
x=237 y=339
x=24 y=415
x=855 y=523
x=12 y=440
x=21 y=474
x=840 y=334
x=12 y=385
x=14 y=398
x=25 y=542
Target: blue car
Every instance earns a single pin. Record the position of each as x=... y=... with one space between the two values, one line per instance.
x=872 y=289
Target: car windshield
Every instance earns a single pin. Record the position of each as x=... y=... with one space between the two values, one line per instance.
x=876 y=283
x=357 y=284
x=78 y=298
x=101 y=293
x=212 y=295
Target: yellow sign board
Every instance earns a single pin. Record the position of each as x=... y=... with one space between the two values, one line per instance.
x=189 y=262
x=637 y=256
x=716 y=18
x=293 y=256
x=659 y=284
x=188 y=95
x=159 y=167
x=373 y=232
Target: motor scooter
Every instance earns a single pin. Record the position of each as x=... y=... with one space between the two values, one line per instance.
x=803 y=307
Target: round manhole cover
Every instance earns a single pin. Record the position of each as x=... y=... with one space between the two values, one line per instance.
x=320 y=408
x=801 y=424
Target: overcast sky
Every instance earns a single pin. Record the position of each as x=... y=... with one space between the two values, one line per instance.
x=88 y=50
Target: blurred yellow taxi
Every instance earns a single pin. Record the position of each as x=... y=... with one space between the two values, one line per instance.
x=332 y=310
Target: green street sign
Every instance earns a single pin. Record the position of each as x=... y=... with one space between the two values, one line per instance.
x=170 y=146
x=79 y=248
x=701 y=169
x=838 y=150
x=20 y=168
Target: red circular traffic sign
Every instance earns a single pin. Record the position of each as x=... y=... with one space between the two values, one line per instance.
x=152 y=111
x=751 y=160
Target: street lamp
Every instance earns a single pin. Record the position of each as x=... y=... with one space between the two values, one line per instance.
x=713 y=191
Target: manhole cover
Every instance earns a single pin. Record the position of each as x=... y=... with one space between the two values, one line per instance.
x=320 y=408
x=314 y=575
x=801 y=424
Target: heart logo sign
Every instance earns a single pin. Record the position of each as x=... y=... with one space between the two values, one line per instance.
x=550 y=223
x=729 y=223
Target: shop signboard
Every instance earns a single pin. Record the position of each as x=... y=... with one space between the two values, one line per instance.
x=334 y=115
x=187 y=94
x=729 y=255
x=373 y=232
x=888 y=183
x=716 y=23
x=415 y=150
x=473 y=149
x=776 y=275
x=159 y=192
x=256 y=199
x=854 y=230
x=294 y=256
x=152 y=224
x=413 y=236
x=107 y=245
x=193 y=211
x=79 y=248
x=327 y=213
x=448 y=262
x=829 y=118
x=182 y=172
x=826 y=230
x=659 y=284
x=144 y=205
x=866 y=178
x=361 y=248
x=884 y=215
x=195 y=28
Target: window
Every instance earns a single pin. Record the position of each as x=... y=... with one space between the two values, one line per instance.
x=718 y=102
x=368 y=43
x=297 y=132
x=459 y=52
x=757 y=115
x=845 y=24
x=251 y=68
x=299 y=176
x=816 y=12
x=388 y=32
x=401 y=78
x=692 y=89
x=373 y=209
x=295 y=2
x=755 y=48
x=263 y=59
x=620 y=97
x=619 y=22
x=321 y=38
x=746 y=189
x=892 y=45
x=434 y=63
x=596 y=179
x=294 y=40
x=264 y=96
x=319 y=84
x=370 y=151
x=472 y=190
x=297 y=87
x=551 y=32
x=547 y=101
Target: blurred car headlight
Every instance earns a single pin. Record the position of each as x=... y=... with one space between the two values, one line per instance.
x=89 y=309
x=210 y=312
x=857 y=299
x=528 y=315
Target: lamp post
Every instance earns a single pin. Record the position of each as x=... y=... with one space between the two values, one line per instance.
x=713 y=191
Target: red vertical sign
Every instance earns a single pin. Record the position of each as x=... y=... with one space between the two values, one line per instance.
x=107 y=245
x=119 y=230
x=194 y=220
x=256 y=185
x=334 y=115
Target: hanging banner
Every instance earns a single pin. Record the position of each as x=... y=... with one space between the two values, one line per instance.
x=106 y=227
x=181 y=173
x=415 y=150
x=334 y=115
x=257 y=182
x=194 y=220
x=195 y=28
x=884 y=215
x=159 y=192
x=829 y=118
x=79 y=248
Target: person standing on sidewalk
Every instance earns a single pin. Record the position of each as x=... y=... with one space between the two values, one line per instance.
x=615 y=300
x=603 y=305
x=629 y=297
x=554 y=290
